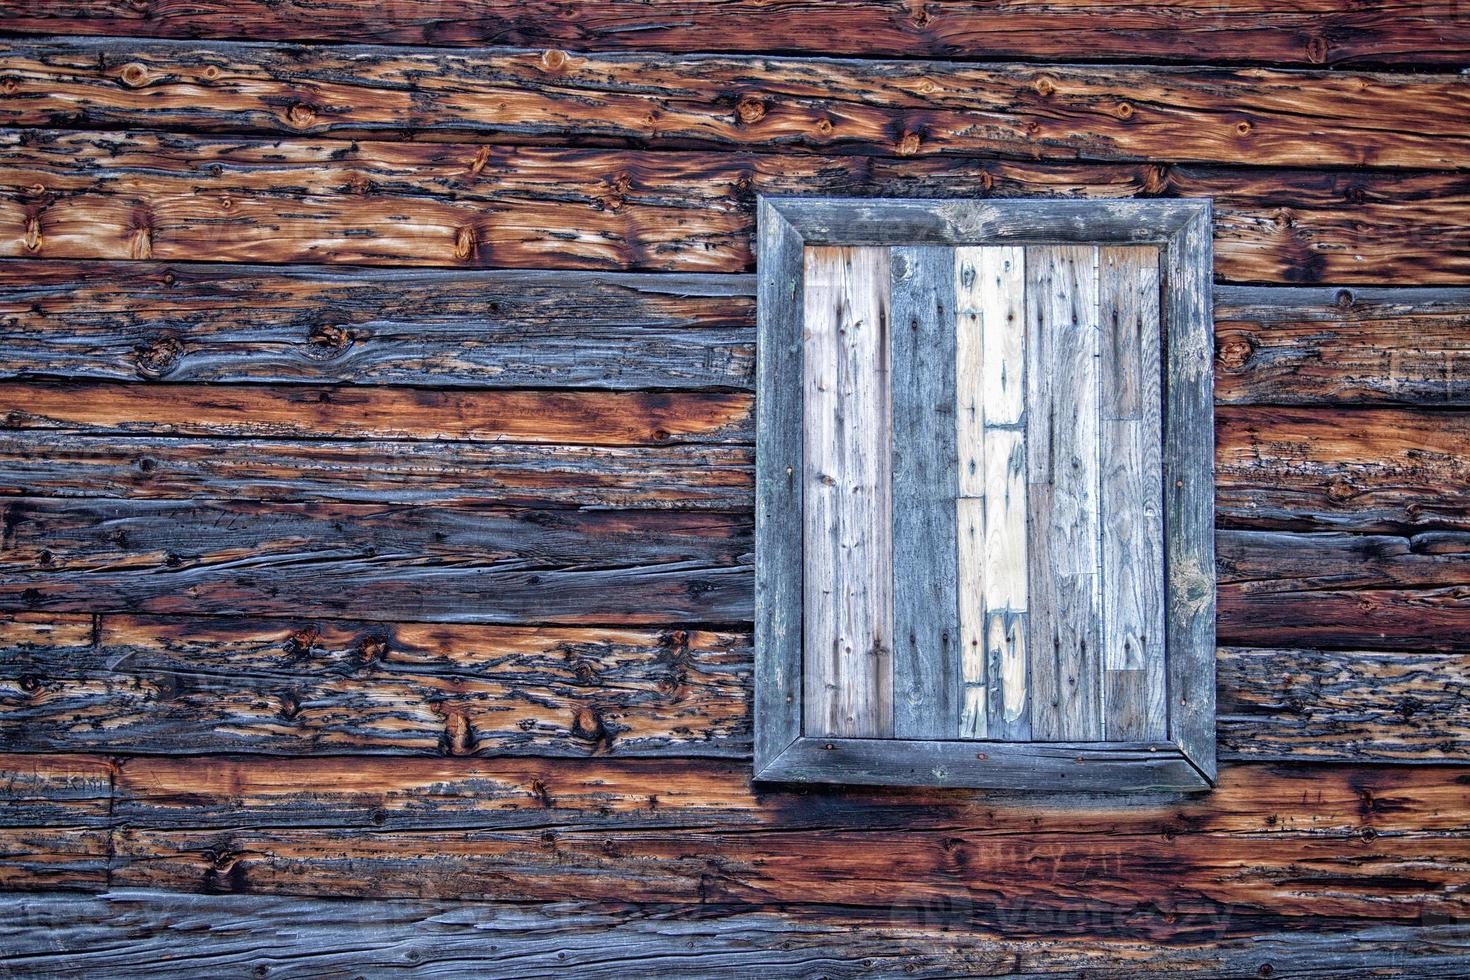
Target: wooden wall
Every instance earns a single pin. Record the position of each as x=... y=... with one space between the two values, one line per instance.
x=376 y=472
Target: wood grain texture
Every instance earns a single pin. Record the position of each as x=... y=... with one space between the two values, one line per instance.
x=926 y=634
x=1130 y=435
x=180 y=198
x=130 y=932
x=137 y=466
x=1309 y=33
x=281 y=687
x=1063 y=474
x=375 y=562
x=201 y=323
x=577 y=417
x=1342 y=346
x=891 y=108
x=846 y=518
x=991 y=395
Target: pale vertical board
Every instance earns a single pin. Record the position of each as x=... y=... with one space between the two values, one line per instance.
x=1132 y=495
x=778 y=491
x=848 y=553
x=1064 y=475
x=926 y=661
x=990 y=402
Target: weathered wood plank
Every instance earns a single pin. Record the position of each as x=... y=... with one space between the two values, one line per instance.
x=1063 y=475
x=1342 y=346
x=479 y=329
x=926 y=637
x=595 y=418
x=1131 y=495
x=991 y=395
x=293 y=687
x=375 y=562
x=847 y=530
x=1308 y=33
x=1282 y=877
x=65 y=464
x=888 y=108
x=131 y=932
x=172 y=198
x=1378 y=469
x=1344 y=590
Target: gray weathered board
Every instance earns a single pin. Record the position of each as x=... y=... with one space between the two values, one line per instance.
x=984 y=501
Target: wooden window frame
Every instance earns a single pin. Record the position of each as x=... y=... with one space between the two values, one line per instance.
x=1182 y=229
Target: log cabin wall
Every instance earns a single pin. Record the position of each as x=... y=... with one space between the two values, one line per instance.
x=376 y=459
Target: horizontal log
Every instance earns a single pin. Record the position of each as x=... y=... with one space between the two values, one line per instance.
x=190 y=322
x=1279 y=877
x=172 y=198
x=1343 y=346
x=71 y=858
x=375 y=562
x=171 y=685
x=588 y=418
x=1206 y=115
x=1378 y=469
x=164 y=934
x=54 y=790
x=477 y=329
x=310 y=687
x=640 y=794
x=1344 y=590
x=1293 y=704
x=685 y=477
x=1308 y=32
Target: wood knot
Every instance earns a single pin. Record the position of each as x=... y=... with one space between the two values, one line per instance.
x=1340 y=490
x=587 y=725
x=1243 y=128
x=140 y=245
x=1045 y=87
x=33 y=239
x=135 y=75
x=909 y=145
x=210 y=74
x=1317 y=49
x=1156 y=179
x=327 y=340
x=750 y=110
x=1124 y=110
x=301 y=116
x=301 y=642
x=1234 y=351
x=159 y=358
x=553 y=60
x=824 y=126
x=459 y=735
x=1345 y=299
x=465 y=243
x=9 y=86
x=482 y=158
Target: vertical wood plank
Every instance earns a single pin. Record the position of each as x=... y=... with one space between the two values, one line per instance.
x=991 y=393
x=1189 y=490
x=1132 y=495
x=778 y=490
x=1063 y=472
x=926 y=663
x=848 y=553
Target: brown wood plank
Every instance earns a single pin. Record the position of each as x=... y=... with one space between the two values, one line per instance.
x=291 y=687
x=887 y=108
x=848 y=551
x=478 y=329
x=55 y=810
x=680 y=477
x=589 y=418
x=1342 y=346
x=1282 y=877
x=377 y=562
x=1363 y=469
x=122 y=196
x=1311 y=32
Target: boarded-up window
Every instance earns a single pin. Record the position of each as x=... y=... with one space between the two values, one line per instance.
x=985 y=509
